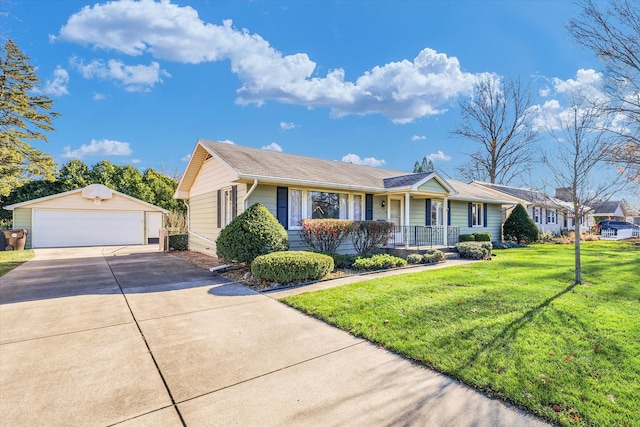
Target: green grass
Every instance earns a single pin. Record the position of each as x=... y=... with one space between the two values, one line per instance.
x=11 y=259
x=514 y=327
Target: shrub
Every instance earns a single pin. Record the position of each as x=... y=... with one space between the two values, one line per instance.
x=291 y=266
x=414 y=259
x=367 y=235
x=484 y=236
x=467 y=238
x=324 y=235
x=432 y=255
x=252 y=233
x=341 y=260
x=507 y=245
x=520 y=227
x=474 y=250
x=179 y=242
x=379 y=262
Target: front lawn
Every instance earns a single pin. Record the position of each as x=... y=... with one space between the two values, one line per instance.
x=11 y=259
x=514 y=327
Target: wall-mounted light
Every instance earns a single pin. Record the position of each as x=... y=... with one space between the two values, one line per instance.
x=384 y=203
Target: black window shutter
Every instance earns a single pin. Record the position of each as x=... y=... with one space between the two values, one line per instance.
x=368 y=207
x=448 y=212
x=484 y=214
x=427 y=211
x=234 y=201
x=219 y=202
x=470 y=213
x=282 y=206
x=546 y=216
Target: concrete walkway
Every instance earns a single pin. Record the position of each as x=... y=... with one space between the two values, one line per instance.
x=130 y=336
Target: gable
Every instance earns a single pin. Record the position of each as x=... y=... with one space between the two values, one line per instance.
x=433 y=186
x=77 y=201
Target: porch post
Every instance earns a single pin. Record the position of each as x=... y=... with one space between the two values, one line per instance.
x=407 y=209
x=445 y=213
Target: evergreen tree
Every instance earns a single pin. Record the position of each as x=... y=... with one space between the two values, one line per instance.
x=520 y=227
x=23 y=117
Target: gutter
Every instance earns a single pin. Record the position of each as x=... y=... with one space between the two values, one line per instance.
x=246 y=196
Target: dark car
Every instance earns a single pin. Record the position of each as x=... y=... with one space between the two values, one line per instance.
x=608 y=224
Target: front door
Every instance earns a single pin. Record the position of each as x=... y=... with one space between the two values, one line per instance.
x=395 y=216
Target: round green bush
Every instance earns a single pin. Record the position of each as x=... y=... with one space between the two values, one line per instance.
x=291 y=266
x=482 y=236
x=379 y=262
x=252 y=233
x=432 y=255
x=414 y=259
x=467 y=238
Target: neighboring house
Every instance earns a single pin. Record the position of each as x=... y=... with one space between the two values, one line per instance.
x=90 y=216
x=222 y=180
x=549 y=213
x=609 y=210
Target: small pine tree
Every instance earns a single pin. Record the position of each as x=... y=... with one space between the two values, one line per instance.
x=520 y=227
x=252 y=233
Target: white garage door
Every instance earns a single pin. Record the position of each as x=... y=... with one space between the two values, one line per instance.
x=57 y=228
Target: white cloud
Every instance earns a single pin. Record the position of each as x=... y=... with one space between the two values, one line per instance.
x=135 y=161
x=402 y=91
x=103 y=147
x=273 y=147
x=186 y=158
x=367 y=161
x=544 y=92
x=438 y=156
x=57 y=84
x=227 y=141
x=418 y=137
x=587 y=83
x=287 y=125
x=134 y=78
x=98 y=96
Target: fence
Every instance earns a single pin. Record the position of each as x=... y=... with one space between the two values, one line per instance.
x=423 y=236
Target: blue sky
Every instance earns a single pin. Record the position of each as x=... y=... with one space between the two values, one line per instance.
x=374 y=82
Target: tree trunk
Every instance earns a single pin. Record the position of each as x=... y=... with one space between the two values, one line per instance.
x=578 y=279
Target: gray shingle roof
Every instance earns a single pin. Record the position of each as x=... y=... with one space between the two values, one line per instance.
x=262 y=163
x=406 y=180
x=606 y=208
x=531 y=196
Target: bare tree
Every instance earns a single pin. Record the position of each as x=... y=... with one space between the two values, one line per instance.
x=613 y=35
x=498 y=117
x=577 y=163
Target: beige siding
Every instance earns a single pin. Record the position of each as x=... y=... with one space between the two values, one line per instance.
x=203 y=220
x=460 y=218
x=417 y=213
x=22 y=219
x=433 y=186
x=265 y=195
x=378 y=211
x=212 y=176
x=77 y=202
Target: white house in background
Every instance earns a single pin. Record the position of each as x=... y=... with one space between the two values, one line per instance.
x=549 y=213
x=90 y=216
x=222 y=180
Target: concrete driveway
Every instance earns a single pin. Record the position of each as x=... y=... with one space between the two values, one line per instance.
x=130 y=336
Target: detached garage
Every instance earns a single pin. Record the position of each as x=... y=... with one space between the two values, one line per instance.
x=90 y=216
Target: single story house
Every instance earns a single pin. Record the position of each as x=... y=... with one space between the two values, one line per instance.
x=613 y=209
x=90 y=216
x=221 y=180
x=549 y=213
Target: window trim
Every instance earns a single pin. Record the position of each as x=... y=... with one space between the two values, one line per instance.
x=477 y=208
x=352 y=206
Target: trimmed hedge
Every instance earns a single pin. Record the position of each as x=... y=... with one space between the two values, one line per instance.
x=291 y=266
x=432 y=255
x=179 y=242
x=379 y=262
x=475 y=250
x=467 y=238
x=252 y=233
x=341 y=260
x=484 y=236
x=414 y=258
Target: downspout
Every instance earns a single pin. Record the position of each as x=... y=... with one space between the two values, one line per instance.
x=189 y=226
x=246 y=196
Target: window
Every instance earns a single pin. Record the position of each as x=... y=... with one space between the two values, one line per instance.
x=227 y=206
x=551 y=216
x=295 y=209
x=327 y=205
x=537 y=218
x=476 y=215
x=436 y=213
x=357 y=207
